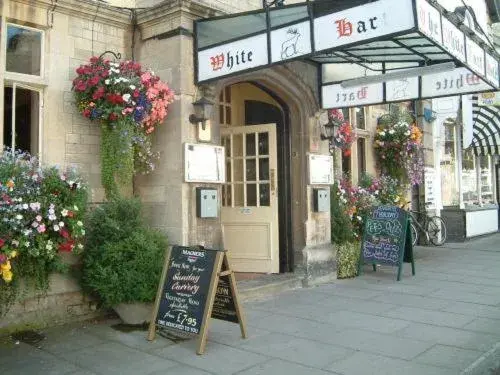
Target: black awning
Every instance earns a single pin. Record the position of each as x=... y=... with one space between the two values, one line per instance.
x=375 y=37
x=486 y=129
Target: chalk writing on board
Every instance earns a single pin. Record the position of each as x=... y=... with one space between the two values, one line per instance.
x=381 y=251
x=185 y=289
x=384 y=227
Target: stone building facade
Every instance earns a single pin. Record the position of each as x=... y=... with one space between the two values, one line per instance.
x=159 y=35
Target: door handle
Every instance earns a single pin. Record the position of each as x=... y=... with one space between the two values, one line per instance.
x=272 y=173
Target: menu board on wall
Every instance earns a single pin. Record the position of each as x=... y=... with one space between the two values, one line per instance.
x=320 y=169
x=204 y=163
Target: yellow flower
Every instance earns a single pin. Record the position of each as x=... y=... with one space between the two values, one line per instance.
x=7 y=276
x=5 y=267
x=13 y=254
x=10 y=184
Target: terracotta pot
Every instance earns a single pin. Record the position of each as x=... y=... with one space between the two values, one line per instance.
x=134 y=313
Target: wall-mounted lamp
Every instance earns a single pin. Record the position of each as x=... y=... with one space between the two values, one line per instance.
x=202 y=111
x=328 y=127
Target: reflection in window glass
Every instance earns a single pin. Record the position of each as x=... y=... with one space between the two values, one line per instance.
x=24 y=50
x=469 y=178
x=251 y=195
x=360 y=117
x=250 y=144
x=238 y=145
x=264 y=169
x=251 y=165
x=265 y=197
x=263 y=144
x=486 y=180
x=449 y=188
x=238 y=170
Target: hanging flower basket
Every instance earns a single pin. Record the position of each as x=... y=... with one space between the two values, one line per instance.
x=398 y=147
x=344 y=136
x=128 y=103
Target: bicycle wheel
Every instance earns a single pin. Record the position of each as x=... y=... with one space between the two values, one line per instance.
x=414 y=234
x=437 y=230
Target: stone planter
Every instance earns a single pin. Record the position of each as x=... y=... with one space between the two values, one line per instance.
x=134 y=313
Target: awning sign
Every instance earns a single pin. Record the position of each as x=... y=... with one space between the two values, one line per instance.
x=335 y=96
x=429 y=21
x=291 y=42
x=233 y=57
x=453 y=40
x=362 y=23
x=402 y=33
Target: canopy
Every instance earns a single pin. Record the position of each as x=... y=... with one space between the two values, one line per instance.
x=432 y=51
x=486 y=129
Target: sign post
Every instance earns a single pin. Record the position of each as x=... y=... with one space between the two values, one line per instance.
x=196 y=284
x=387 y=239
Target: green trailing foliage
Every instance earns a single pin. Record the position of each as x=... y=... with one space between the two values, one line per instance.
x=117 y=155
x=348 y=259
x=123 y=260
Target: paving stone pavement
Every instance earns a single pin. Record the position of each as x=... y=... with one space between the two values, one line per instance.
x=445 y=320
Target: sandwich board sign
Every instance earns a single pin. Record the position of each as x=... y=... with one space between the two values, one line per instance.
x=196 y=284
x=387 y=239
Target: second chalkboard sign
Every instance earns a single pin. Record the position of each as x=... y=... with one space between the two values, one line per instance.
x=387 y=238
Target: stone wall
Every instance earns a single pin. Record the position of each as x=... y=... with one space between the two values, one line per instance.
x=74 y=31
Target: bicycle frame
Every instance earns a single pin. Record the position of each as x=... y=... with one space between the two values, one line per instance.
x=421 y=227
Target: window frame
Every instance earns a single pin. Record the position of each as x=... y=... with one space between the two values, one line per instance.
x=38 y=80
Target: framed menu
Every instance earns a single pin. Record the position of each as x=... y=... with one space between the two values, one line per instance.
x=320 y=169
x=204 y=163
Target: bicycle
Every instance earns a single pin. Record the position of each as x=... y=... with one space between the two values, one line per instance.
x=433 y=227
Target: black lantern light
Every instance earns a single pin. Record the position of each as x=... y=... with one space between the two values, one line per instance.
x=202 y=111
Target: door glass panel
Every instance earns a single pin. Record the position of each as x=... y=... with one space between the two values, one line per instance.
x=264 y=195
x=228 y=171
x=238 y=195
x=228 y=115
x=251 y=174
x=264 y=169
x=227 y=145
x=263 y=144
x=226 y=195
x=221 y=114
x=238 y=170
x=251 y=195
x=238 y=145
x=250 y=144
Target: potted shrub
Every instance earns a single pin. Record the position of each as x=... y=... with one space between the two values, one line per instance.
x=123 y=259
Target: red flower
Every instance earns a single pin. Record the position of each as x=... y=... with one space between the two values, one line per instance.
x=86 y=112
x=80 y=86
x=71 y=214
x=347 y=152
x=113 y=116
x=105 y=74
x=64 y=232
x=2 y=242
x=99 y=93
x=3 y=258
x=135 y=94
x=67 y=246
x=94 y=80
x=80 y=70
x=94 y=59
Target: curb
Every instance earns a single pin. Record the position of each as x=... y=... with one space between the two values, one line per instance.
x=485 y=364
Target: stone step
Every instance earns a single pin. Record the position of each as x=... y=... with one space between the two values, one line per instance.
x=265 y=286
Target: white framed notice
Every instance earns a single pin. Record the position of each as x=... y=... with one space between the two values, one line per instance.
x=320 y=169
x=204 y=163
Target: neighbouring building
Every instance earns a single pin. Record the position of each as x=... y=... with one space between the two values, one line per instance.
x=270 y=73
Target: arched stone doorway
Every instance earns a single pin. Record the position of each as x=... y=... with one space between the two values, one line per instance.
x=275 y=96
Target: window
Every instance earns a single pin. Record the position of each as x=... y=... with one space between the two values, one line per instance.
x=449 y=185
x=361 y=143
x=486 y=180
x=360 y=117
x=346 y=159
x=22 y=93
x=225 y=106
x=469 y=178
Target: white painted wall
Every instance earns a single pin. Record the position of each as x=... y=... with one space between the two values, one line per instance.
x=481 y=222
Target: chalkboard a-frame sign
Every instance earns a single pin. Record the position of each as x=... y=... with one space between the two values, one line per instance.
x=196 y=284
x=387 y=239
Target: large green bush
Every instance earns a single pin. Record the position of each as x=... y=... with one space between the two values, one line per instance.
x=123 y=259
